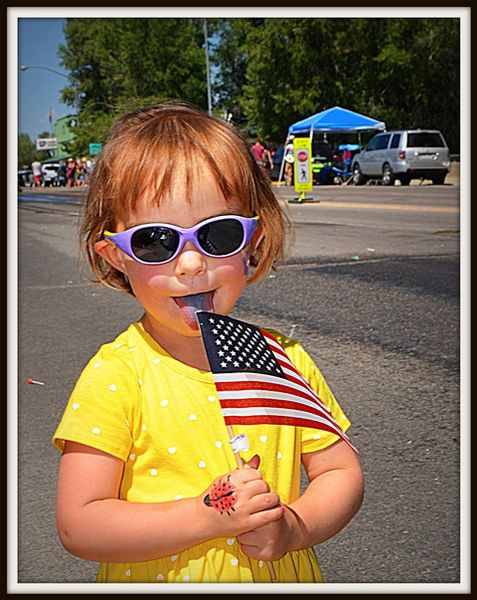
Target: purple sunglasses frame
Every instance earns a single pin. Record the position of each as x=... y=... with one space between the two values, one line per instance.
x=123 y=239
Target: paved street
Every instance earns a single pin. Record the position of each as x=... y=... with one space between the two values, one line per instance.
x=372 y=290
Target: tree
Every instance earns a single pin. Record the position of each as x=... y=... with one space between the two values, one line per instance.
x=402 y=71
x=26 y=151
x=119 y=64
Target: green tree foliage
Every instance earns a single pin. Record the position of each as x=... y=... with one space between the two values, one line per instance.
x=119 y=64
x=402 y=71
x=26 y=151
x=267 y=73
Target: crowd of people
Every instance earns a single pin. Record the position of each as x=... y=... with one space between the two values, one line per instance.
x=71 y=173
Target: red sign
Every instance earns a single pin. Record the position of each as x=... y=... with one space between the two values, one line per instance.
x=302 y=155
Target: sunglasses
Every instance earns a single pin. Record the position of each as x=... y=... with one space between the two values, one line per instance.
x=159 y=243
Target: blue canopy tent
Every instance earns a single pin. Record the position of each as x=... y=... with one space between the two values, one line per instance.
x=334 y=120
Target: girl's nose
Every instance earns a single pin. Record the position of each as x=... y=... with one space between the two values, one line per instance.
x=190 y=261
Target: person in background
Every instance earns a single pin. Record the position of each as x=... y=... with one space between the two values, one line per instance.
x=36 y=169
x=262 y=155
x=289 y=160
x=70 y=172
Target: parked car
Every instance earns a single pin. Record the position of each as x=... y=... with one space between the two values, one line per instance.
x=50 y=172
x=25 y=178
x=403 y=155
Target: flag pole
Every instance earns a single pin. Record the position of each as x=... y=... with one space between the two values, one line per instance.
x=238 y=459
x=241 y=465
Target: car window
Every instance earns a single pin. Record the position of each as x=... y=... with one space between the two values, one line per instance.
x=373 y=143
x=395 y=140
x=425 y=139
x=383 y=142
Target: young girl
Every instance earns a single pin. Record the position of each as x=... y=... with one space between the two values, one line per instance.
x=180 y=215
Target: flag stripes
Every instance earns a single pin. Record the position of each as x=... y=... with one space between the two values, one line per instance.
x=256 y=381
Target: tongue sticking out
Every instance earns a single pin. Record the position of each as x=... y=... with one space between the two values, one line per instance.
x=189 y=305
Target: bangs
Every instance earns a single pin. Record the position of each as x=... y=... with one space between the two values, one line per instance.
x=169 y=154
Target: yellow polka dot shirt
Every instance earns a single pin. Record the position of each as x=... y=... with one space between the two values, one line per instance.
x=163 y=419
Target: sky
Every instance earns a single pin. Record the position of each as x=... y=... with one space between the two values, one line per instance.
x=38 y=88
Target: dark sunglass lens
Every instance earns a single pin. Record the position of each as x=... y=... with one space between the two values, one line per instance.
x=221 y=237
x=154 y=244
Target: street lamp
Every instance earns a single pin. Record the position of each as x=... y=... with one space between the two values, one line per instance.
x=26 y=67
x=206 y=44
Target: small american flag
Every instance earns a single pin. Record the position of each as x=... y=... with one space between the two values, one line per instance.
x=256 y=381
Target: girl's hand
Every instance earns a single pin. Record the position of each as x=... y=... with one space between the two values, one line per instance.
x=271 y=541
x=239 y=501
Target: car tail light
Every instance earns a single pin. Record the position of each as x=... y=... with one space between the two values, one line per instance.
x=402 y=155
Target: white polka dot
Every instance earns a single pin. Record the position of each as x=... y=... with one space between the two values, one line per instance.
x=218 y=444
x=192 y=417
x=317 y=436
x=128 y=573
x=279 y=454
x=117 y=345
x=174 y=557
x=132 y=456
x=113 y=388
x=96 y=365
x=164 y=402
x=202 y=464
x=144 y=427
x=139 y=381
x=75 y=406
x=211 y=398
x=172 y=450
x=186 y=578
x=160 y=577
x=260 y=563
x=234 y=562
x=263 y=438
x=96 y=430
x=230 y=541
x=132 y=349
x=153 y=472
x=156 y=361
x=178 y=497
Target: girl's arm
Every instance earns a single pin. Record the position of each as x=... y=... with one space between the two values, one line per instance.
x=94 y=524
x=332 y=498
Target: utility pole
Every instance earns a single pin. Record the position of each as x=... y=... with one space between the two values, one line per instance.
x=209 y=97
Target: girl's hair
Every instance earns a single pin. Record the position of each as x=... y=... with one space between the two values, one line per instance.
x=147 y=150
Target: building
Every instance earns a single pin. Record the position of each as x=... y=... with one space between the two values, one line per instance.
x=64 y=133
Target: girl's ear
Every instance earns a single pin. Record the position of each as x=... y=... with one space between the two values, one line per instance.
x=111 y=254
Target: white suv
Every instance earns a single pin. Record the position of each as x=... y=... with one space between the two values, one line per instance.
x=403 y=155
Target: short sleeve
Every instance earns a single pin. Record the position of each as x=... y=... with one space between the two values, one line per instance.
x=100 y=410
x=314 y=439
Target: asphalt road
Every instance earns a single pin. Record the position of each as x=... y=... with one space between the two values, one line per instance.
x=381 y=317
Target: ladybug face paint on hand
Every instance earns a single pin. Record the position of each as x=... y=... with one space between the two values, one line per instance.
x=222 y=496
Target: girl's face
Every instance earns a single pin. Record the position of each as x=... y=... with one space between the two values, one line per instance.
x=215 y=283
